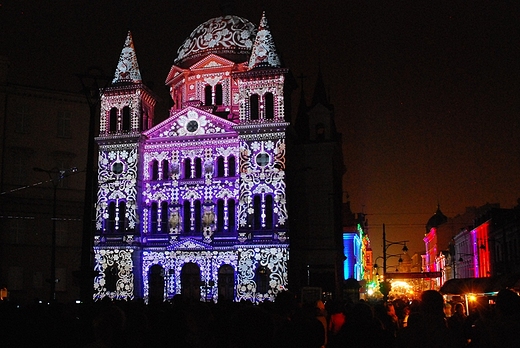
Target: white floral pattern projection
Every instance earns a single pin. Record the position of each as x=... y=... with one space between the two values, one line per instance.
x=256 y=178
x=275 y=259
x=219 y=34
x=244 y=260
x=105 y=259
x=181 y=126
x=117 y=186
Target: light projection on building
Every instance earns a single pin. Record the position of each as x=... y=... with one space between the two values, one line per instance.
x=196 y=205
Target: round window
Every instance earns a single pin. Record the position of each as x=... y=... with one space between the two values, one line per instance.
x=192 y=126
x=117 y=168
x=262 y=159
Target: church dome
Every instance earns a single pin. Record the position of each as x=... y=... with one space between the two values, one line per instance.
x=436 y=220
x=230 y=37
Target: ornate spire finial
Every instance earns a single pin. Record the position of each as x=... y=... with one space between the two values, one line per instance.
x=127 y=68
x=263 y=54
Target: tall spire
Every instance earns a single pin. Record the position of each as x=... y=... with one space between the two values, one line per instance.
x=320 y=95
x=127 y=68
x=263 y=54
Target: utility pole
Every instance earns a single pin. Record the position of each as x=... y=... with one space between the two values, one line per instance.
x=56 y=176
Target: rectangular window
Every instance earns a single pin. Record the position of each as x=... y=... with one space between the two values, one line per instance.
x=22 y=120
x=61 y=275
x=62 y=236
x=38 y=280
x=19 y=172
x=15 y=278
x=64 y=124
x=17 y=231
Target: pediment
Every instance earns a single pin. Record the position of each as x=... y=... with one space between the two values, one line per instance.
x=191 y=122
x=189 y=244
x=212 y=61
x=174 y=71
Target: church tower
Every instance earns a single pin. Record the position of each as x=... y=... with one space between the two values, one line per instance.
x=261 y=128
x=315 y=170
x=127 y=109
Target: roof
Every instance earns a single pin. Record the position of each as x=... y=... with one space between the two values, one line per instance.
x=481 y=285
x=230 y=37
x=127 y=68
x=263 y=54
x=436 y=220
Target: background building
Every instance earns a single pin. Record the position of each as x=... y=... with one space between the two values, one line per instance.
x=43 y=129
x=315 y=174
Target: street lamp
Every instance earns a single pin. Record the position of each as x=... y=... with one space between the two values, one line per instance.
x=56 y=176
x=386 y=245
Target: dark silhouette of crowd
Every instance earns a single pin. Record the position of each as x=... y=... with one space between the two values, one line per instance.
x=286 y=322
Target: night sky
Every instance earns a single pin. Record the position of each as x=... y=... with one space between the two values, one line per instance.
x=426 y=93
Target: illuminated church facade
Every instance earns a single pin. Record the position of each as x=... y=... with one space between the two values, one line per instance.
x=195 y=205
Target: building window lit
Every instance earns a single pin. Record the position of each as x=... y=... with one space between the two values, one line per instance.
x=165 y=170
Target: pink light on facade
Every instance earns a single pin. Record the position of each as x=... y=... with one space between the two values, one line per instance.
x=480 y=248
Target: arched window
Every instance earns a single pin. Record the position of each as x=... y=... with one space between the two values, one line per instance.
x=207 y=95
x=269 y=106
x=165 y=170
x=126 y=119
x=220 y=167
x=111 y=277
x=226 y=283
x=190 y=282
x=155 y=170
x=113 y=120
x=257 y=209
x=154 y=217
x=218 y=94
x=186 y=210
x=111 y=222
x=198 y=216
x=198 y=168
x=122 y=216
x=262 y=279
x=269 y=212
x=156 y=284
x=232 y=166
x=164 y=217
x=187 y=168
x=320 y=131
x=220 y=215
x=231 y=215
x=253 y=105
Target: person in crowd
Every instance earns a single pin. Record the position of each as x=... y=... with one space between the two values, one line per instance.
x=499 y=327
x=457 y=322
x=428 y=327
x=361 y=329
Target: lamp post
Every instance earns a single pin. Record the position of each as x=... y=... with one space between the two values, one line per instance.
x=56 y=176
x=386 y=245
